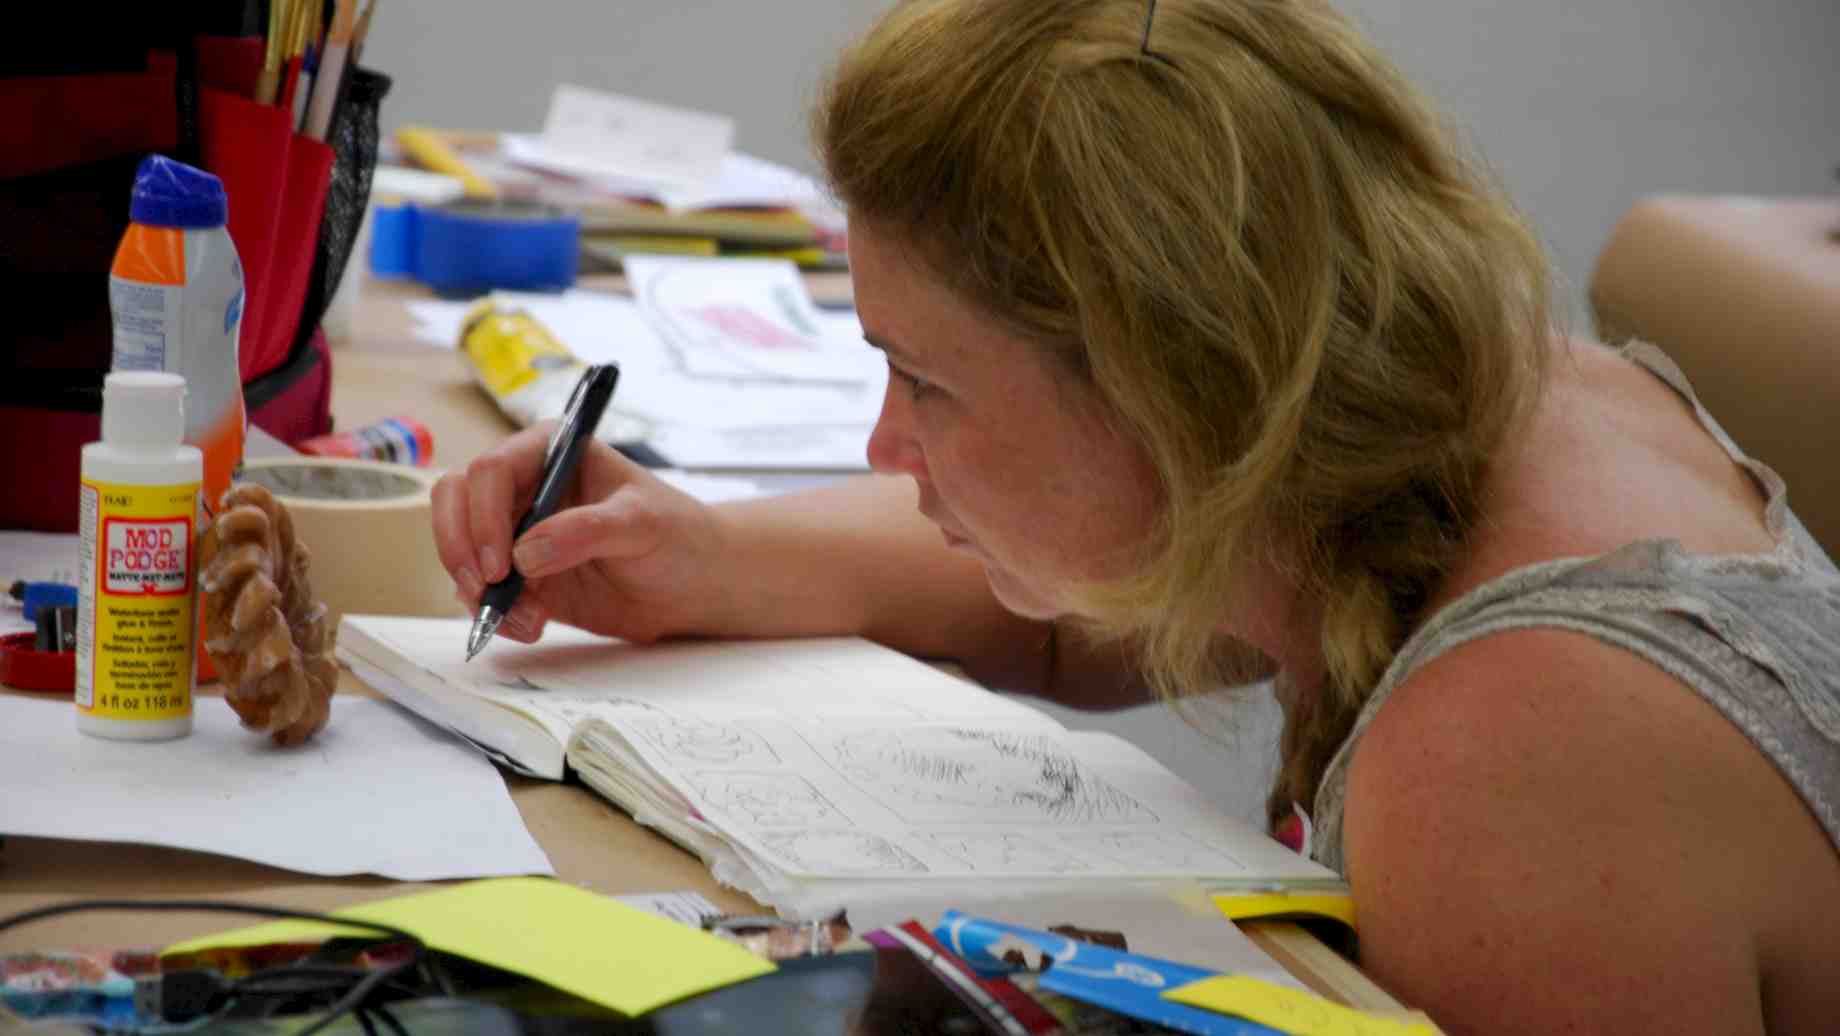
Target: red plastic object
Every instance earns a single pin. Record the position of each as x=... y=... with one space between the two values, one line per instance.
x=26 y=668
x=276 y=180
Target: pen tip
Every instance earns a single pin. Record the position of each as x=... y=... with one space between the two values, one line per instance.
x=483 y=628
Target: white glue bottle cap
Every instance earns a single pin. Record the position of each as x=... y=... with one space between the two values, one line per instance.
x=143 y=409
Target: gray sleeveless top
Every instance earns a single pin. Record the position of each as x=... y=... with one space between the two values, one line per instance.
x=1756 y=635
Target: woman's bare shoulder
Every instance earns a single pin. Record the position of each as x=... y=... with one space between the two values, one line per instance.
x=1547 y=833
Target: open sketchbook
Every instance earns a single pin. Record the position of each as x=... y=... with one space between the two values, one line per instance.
x=817 y=773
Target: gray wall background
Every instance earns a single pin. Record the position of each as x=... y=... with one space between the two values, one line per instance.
x=1581 y=107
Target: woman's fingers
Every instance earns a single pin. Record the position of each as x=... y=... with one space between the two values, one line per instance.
x=623 y=526
x=623 y=516
x=498 y=484
x=453 y=537
x=525 y=621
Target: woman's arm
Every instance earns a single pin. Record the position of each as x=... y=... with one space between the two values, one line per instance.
x=629 y=556
x=1548 y=834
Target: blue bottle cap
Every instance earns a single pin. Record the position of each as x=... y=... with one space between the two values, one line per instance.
x=173 y=194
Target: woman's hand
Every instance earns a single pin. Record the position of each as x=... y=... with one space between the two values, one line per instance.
x=625 y=555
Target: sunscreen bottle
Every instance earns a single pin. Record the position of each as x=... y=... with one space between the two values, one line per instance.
x=176 y=296
x=138 y=514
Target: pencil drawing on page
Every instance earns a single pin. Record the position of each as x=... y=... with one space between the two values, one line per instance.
x=1152 y=850
x=766 y=799
x=569 y=712
x=703 y=741
x=1006 y=851
x=841 y=851
x=964 y=775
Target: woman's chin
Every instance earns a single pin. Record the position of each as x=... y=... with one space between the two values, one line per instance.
x=1018 y=597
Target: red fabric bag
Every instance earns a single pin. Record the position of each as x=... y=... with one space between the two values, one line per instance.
x=68 y=146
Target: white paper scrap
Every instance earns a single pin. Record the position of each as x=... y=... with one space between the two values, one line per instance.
x=376 y=792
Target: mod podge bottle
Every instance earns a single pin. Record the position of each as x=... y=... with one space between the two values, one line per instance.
x=138 y=513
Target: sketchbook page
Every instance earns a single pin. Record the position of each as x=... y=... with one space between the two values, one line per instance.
x=553 y=680
x=1262 y=856
x=766 y=448
x=423 y=669
x=376 y=792
x=862 y=798
x=507 y=738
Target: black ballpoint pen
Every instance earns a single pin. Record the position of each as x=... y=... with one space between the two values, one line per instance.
x=579 y=419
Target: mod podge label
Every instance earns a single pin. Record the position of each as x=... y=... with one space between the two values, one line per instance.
x=135 y=629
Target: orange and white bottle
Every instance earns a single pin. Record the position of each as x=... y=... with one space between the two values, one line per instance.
x=176 y=296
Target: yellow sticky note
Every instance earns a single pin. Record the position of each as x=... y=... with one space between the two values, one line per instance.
x=1289 y=1010
x=594 y=947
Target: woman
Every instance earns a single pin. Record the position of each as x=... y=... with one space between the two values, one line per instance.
x=1202 y=335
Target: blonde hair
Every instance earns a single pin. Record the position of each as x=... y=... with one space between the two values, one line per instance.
x=1269 y=258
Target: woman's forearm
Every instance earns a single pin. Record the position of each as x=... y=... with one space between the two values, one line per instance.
x=859 y=558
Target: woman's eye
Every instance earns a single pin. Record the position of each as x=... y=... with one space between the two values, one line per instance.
x=917 y=387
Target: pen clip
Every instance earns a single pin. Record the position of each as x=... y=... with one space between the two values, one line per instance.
x=569 y=413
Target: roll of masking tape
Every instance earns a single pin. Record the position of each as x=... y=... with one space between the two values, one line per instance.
x=368 y=528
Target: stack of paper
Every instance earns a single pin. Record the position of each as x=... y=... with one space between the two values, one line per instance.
x=651 y=178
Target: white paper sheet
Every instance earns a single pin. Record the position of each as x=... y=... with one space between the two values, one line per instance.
x=606 y=135
x=376 y=792
x=713 y=489
x=742 y=182
x=765 y=448
x=741 y=318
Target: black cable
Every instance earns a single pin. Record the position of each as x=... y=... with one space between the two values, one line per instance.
x=204 y=906
x=355 y=996
x=358 y=995
x=389 y=1019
